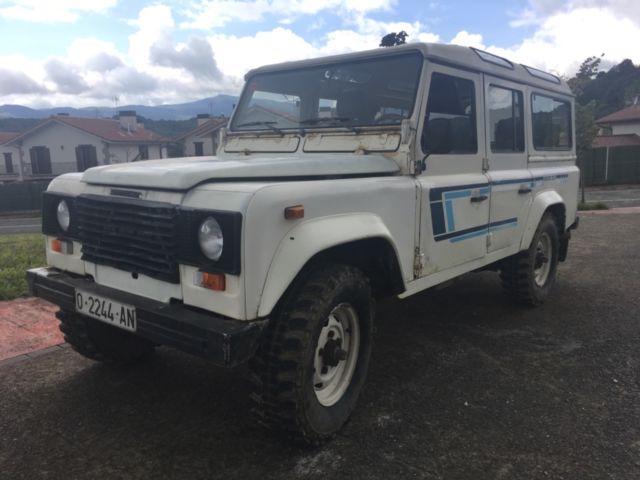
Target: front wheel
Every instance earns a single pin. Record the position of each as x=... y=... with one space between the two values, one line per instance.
x=529 y=276
x=312 y=365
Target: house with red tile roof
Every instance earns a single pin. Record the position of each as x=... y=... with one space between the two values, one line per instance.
x=622 y=128
x=204 y=139
x=62 y=144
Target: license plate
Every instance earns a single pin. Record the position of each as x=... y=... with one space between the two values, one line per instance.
x=114 y=313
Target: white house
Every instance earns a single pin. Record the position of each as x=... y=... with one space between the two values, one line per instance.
x=202 y=140
x=9 y=165
x=62 y=144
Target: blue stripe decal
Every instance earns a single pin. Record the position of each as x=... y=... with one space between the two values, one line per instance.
x=458 y=194
x=451 y=226
x=435 y=194
x=445 y=236
x=437 y=218
x=478 y=230
x=508 y=182
x=441 y=203
x=498 y=223
x=467 y=236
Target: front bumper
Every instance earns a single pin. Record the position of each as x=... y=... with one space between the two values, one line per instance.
x=224 y=341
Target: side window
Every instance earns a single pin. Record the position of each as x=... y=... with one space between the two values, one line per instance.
x=551 y=123
x=450 y=124
x=506 y=120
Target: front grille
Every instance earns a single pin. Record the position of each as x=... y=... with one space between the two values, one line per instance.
x=132 y=235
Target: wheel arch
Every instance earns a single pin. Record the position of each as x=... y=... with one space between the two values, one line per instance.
x=549 y=201
x=360 y=240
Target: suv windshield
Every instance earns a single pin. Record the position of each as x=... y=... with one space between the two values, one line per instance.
x=379 y=91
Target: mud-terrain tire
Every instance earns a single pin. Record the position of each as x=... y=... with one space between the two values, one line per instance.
x=102 y=342
x=529 y=276
x=326 y=319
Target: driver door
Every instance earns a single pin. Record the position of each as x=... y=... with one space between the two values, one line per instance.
x=455 y=191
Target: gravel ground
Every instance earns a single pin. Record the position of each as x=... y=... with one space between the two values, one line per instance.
x=463 y=385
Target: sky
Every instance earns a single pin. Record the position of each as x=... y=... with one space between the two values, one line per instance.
x=87 y=52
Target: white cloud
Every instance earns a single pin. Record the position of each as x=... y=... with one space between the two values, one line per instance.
x=236 y=55
x=564 y=39
x=467 y=39
x=52 y=11
x=155 y=68
x=210 y=14
x=537 y=11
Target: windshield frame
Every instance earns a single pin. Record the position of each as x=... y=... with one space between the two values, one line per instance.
x=319 y=123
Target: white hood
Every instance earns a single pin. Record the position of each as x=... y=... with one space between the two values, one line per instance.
x=184 y=173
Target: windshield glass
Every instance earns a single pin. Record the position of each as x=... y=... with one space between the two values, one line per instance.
x=378 y=91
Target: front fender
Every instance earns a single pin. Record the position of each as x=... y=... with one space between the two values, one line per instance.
x=310 y=238
x=540 y=204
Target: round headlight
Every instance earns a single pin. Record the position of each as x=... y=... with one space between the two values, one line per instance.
x=63 y=215
x=210 y=238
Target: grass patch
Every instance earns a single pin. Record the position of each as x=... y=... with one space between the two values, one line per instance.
x=17 y=254
x=592 y=206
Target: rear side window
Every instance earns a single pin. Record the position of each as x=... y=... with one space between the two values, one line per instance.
x=450 y=123
x=551 y=123
x=506 y=120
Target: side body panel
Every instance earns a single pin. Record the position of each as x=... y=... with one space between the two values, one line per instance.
x=335 y=212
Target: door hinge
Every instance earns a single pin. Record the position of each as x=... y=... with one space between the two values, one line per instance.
x=418 y=263
x=488 y=239
x=485 y=164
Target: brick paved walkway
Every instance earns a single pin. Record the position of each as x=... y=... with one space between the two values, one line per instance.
x=27 y=325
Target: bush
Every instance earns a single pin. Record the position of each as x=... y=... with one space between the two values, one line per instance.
x=17 y=254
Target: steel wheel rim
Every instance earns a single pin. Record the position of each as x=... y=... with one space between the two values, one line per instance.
x=342 y=327
x=542 y=260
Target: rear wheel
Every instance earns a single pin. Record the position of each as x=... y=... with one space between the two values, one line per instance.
x=310 y=370
x=101 y=342
x=529 y=276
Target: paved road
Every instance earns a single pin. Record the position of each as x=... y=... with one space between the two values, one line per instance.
x=616 y=197
x=20 y=225
x=464 y=385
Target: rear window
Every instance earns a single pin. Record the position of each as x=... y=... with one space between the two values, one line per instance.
x=551 y=120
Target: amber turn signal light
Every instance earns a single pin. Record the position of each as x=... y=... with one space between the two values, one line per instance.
x=295 y=212
x=213 y=281
x=56 y=245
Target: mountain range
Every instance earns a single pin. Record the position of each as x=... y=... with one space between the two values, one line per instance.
x=220 y=104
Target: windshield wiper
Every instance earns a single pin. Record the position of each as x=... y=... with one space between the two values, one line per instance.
x=268 y=124
x=314 y=121
x=337 y=120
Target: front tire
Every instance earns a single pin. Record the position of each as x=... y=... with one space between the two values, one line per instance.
x=529 y=276
x=312 y=365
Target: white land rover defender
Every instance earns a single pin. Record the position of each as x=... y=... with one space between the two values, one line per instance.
x=338 y=180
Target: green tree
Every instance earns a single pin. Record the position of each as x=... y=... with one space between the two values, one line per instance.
x=586 y=128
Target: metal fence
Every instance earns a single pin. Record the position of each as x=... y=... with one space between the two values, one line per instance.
x=612 y=166
x=21 y=196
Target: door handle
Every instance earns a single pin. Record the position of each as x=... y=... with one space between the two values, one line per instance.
x=524 y=190
x=478 y=198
